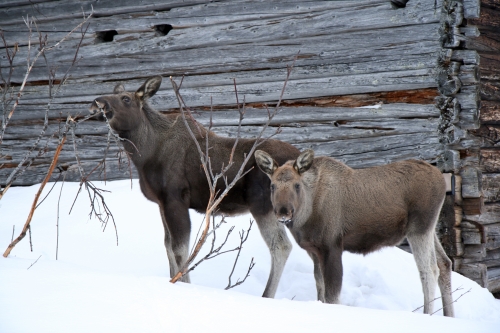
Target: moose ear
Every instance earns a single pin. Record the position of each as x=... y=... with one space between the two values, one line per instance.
x=149 y=88
x=304 y=161
x=119 y=89
x=265 y=162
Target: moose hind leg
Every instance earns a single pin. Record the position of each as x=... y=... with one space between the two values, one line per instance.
x=444 y=280
x=279 y=245
x=424 y=254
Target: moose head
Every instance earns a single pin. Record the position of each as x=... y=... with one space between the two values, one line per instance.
x=123 y=109
x=290 y=193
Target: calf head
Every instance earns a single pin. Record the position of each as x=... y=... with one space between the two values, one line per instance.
x=124 y=109
x=290 y=195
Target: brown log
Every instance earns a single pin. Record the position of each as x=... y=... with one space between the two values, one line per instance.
x=490 y=112
x=473 y=206
x=490 y=160
x=490 y=215
x=418 y=96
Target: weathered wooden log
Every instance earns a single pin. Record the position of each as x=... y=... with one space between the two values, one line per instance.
x=490 y=112
x=490 y=215
x=477 y=252
x=476 y=272
x=494 y=285
x=471 y=182
x=491 y=186
x=473 y=206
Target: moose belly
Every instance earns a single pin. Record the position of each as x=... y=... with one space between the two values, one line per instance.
x=365 y=243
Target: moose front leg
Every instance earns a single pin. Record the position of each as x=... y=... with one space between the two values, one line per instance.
x=331 y=266
x=177 y=224
x=318 y=276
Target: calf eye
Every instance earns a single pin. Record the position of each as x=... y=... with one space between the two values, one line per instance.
x=273 y=187
x=297 y=187
x=126 y=99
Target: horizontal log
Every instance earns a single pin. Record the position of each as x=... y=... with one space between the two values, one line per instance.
x=202 y=93
x=471 y=236
x=476 y=252
x=476 y=272
x=494 y=285
x=490 y=112
x=490 y=89
x=231 y=20
x=471 y=182
x=483 y=41
x=490 y=214
x=473 y=206
x=490 y=160
x=292 y=115
x=489 y=15
x=490 y=185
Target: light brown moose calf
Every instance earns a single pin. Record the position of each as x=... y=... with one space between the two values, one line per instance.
x=330 y=207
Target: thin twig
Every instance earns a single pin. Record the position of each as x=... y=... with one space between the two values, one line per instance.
x=57 y=222
x=34 y=262
x=29 y=234
x=458 y=289
x=243 y=239
x=468 y=291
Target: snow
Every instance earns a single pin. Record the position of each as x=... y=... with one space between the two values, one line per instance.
x=97 y=286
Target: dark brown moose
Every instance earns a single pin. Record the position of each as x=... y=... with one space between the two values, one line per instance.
x=171 y=175
x=330 y=207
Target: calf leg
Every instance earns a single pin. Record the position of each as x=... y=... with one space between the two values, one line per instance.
x=444 y=280
x=175 y=216
x=331 y=266
x=422 y=247
x=279 y=245
x=318 y=276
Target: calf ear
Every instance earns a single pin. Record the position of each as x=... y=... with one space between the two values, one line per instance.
x=119 y=89
x=304 y=161
x=265 y=162
x=149 y=88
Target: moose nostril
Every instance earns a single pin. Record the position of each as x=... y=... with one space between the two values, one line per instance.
x=283 y=211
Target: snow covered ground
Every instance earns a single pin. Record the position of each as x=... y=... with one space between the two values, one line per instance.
x=96 y=286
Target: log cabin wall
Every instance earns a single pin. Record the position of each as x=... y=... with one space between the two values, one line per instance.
x=374 y=82
x=480 y=165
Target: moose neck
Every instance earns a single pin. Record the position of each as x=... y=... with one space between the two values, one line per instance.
x=142 y=142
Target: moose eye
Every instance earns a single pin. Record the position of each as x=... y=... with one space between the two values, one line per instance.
x=297 y=187
x=126 y=99
x=273 y=187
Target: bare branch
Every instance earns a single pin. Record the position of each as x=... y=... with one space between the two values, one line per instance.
x=468 y=291
x=216 y=196
x=33 y=206
x=57 y=221
x=243 y=239
x=458 y=289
